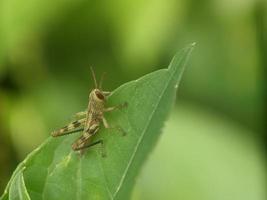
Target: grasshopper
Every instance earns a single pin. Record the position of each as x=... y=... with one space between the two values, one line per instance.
x=89 y=120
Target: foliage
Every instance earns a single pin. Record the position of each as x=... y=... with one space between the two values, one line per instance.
x=54 y=171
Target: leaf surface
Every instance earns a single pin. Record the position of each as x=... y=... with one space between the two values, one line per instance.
x=53 y=171
x=18 y=189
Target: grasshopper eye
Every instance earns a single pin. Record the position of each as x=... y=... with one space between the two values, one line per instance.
x=99 y=95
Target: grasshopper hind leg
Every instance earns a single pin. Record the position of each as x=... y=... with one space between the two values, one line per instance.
x=85 y=144
x=71 y=128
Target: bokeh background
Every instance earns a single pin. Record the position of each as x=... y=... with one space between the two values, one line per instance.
x=214 y=144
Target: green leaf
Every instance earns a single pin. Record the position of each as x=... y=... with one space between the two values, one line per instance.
x=54 y=171
x=18 y=189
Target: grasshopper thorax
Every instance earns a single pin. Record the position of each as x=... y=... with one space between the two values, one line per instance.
x=97 y=95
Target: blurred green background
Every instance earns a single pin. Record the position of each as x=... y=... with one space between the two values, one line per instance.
x=213 y=145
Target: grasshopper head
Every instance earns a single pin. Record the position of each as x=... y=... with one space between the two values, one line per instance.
x=98 y=95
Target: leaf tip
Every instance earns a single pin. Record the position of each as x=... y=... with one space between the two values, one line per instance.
x=181 y=57
x=193 y=44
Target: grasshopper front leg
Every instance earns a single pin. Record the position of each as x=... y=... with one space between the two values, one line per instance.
x=118 y=107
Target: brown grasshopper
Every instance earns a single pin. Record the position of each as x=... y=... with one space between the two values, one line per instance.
x=90 y=119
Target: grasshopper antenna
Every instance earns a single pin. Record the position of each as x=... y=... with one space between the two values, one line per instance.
x=101 y=80
x=94 y=78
